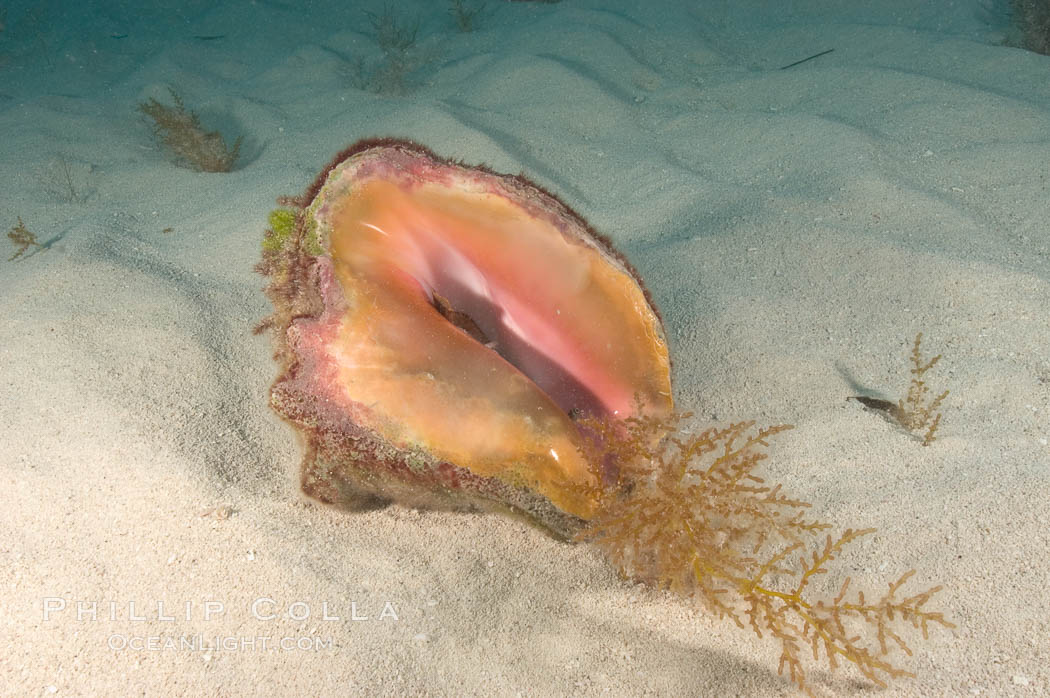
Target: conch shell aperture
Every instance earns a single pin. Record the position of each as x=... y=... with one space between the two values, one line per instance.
x=439 y=326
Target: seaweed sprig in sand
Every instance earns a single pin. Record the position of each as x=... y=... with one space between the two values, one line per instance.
x=687 y=512
x=23 y=239
x=180 y=131
x=917 y=412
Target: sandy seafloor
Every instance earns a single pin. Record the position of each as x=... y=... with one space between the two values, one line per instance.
x=797 y=227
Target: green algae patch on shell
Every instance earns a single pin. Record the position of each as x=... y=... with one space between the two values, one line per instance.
x=439 y=329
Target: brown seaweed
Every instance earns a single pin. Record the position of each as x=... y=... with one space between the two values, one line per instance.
x=687 y=511
x=23 y=239
x=179 y=130
x=916 y=412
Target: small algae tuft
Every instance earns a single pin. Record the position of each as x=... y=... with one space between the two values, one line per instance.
x=916 y=412
x=180 y=131
x=1031 y=20
x=282 y=226
x=23 y=239
x=464 y=14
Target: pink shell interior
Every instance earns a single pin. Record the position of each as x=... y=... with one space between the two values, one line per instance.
x=568 y=327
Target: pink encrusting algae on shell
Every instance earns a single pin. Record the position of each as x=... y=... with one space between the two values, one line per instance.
x=441 y=326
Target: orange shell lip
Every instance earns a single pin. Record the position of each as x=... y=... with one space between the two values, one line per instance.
x=464 y=316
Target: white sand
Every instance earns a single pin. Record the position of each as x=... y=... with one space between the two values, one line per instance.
x=797 y=228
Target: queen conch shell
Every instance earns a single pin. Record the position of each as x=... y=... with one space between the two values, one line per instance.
x=440 y=327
